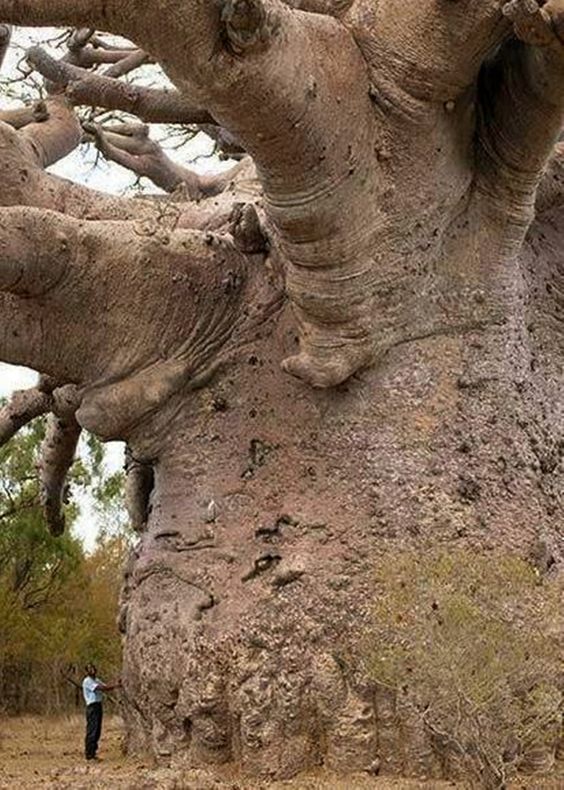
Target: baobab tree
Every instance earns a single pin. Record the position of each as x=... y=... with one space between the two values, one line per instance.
x=348 y=344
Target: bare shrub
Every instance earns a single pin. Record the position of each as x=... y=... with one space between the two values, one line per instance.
x=479 y=638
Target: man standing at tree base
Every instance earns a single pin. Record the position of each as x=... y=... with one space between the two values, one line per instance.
x=92 y=689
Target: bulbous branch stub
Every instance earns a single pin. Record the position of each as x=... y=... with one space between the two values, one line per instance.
x=248 y=24
x=538 y=24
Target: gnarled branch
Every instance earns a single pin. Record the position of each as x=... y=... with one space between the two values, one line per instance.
x=199 y=281
x=521 y=109
x=5 y=35
x=60 y=13
x=89 y=56
x=23 y=407
x=56 y=458
x=55 y=137
x=23 y=116
x=293 y=88
x=131 y=61
x=148 y=104
x=25 y=183
x=429 y=49
x=129 y=145
x=33 y=254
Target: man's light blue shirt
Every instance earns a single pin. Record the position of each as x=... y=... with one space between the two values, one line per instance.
x=91 y=691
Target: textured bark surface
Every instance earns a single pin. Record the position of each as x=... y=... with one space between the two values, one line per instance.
x=379 y=242
x=248 y=625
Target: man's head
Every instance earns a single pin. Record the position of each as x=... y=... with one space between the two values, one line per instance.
x=91 y=670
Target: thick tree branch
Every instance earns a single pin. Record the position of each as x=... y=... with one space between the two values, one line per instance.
x=304 y=114
x=24 y=183
x=148 y=104
x=23 y=116
x=129 y=145
x=56 y=137
x=127 y=64
x=199 y=17
x=98 y=40
x=57 y=456
x=23 y=407
x=5 y=35
x=429 y=49
x=521 y=115
x=60 y=13
x=57 y=273
x=34 y=255
x=293 y=88
x=81 y=202
x=88 y=56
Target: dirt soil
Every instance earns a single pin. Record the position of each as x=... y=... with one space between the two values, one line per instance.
x=47 y=753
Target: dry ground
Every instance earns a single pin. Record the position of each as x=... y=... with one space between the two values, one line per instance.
x=47 y=753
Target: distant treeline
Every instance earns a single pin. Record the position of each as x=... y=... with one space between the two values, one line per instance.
x=58 y=603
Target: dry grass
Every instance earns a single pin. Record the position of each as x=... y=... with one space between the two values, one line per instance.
x=474 y=641
x=47 y=753
x=35 y=751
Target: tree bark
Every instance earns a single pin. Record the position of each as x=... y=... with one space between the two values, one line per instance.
x=247 y=629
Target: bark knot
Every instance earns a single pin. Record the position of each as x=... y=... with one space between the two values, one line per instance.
x=248 y=24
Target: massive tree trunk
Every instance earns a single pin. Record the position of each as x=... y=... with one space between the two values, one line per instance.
x=252 y=592
x=385 y=253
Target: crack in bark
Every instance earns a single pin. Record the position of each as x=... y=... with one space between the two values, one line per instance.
x=157 y=569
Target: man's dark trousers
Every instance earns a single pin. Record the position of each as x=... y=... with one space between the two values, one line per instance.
x=93 y=729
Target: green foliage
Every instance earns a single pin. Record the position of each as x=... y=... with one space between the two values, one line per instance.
x=108 y=497
x=58 y=604
x=472 y=642
x=33 y=564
